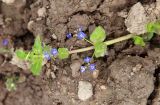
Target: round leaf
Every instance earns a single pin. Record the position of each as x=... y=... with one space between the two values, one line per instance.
x=153 y=27
x=21 y=54
x=63 y=53
x=36 y=65
x=98 y=35
x=138 y=41
x=150 y=27
x=100 y=49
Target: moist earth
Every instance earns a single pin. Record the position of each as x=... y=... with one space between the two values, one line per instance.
x=128 y=75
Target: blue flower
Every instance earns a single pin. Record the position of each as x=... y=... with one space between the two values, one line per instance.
x=83 y=69
x=69 y=35
x=81 y=35
x=47 y=56
x=54 y=51
x=87 y=59
x=5 y=42
x=92 y=67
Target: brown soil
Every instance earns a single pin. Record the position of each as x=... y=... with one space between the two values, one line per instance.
x=129 y=75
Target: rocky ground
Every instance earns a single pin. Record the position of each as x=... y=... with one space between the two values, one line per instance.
x=129 y=75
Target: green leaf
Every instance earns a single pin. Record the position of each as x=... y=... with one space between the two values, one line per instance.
x=63 y=53
x=98 y=35
x=37 y=47
x=21 y=54
x=138 y=41
x=148 y=36
x=36 y=65
x=100 y=49
x=153 y=27
x=150 y=27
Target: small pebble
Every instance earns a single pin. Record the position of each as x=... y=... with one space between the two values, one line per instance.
x=95 y=74
x=132 y=73
x=53 y=76
x=55 y=68
x=30 y=25
x=137 y=68
x=41 y=12
x=54 y=36
x=85 y=90
x=75 y=66
x=103 y=87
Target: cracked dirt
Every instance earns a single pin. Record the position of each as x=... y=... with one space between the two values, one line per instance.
x=129 y=75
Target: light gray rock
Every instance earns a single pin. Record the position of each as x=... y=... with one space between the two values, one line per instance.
x=8 y=1
x=16 y=3
x=157 y=11
x=158 y=2
x=137 y=19
x=85 y=90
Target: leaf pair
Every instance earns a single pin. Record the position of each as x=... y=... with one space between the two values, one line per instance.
x=138 y=41
x=35 y=57
x=151 y=28
x=97 y=37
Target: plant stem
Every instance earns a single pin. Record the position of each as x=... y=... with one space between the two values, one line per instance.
x=110 y=42
x=88 y=41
